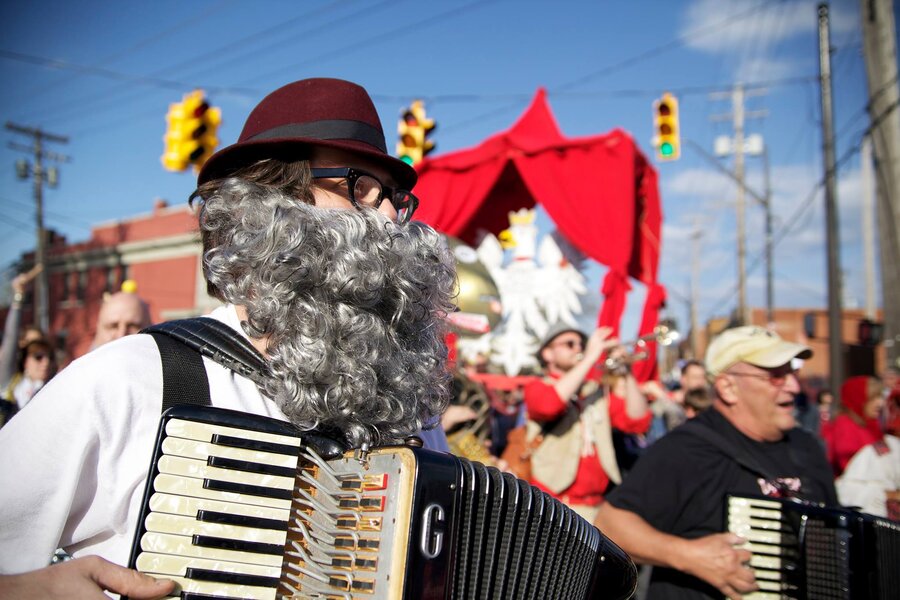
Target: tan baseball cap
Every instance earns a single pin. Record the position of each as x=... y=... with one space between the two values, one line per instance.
x=754 y=345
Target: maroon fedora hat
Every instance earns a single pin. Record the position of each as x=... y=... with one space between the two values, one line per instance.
x=309 y=113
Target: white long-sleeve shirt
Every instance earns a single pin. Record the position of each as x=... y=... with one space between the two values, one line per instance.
x=870 y=474
x=76 y=459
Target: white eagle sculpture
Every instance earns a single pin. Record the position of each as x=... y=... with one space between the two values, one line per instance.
x=534 y=294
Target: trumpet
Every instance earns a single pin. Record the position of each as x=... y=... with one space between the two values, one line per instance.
x=664 y=334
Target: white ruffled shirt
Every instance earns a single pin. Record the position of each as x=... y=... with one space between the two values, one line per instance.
x=75 y=460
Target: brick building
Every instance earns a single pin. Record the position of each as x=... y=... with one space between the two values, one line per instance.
x=790 y=323
x=160 y=251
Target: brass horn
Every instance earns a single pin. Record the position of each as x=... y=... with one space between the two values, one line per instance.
x=663 y=334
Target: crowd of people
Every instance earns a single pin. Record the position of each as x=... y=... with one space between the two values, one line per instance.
x=309 y=245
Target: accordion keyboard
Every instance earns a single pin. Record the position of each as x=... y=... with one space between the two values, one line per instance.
x=245 y=507
x=805 y=551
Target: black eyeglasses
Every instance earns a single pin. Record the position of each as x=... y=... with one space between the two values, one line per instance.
x=776 y=377
x=366 y=191
x=570 y=344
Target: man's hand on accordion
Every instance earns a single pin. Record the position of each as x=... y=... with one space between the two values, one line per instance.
x=83 y=579
x=715 y=559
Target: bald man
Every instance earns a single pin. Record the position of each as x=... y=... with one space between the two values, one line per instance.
x=121 y=314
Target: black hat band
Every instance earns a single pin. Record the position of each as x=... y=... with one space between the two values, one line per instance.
x=336 y=129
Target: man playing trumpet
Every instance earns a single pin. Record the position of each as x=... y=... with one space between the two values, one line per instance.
x=572 y=413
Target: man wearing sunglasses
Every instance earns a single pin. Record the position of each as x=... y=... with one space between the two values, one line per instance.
x=573 y=415
x=308 y=244
x=670 y=512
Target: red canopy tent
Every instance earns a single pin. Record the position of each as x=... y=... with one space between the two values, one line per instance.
x=600 y=191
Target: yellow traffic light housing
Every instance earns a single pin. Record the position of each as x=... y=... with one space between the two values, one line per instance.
x=667 y=139
x=191 y=137
x=414 y=128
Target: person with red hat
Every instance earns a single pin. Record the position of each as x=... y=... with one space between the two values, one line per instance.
x=308 y=244
x=857 y=423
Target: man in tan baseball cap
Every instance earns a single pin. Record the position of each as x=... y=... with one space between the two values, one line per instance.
x=668 y=511
x=752 y=345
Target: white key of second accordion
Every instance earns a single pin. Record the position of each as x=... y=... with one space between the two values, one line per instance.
x=763 y=549
x=767 y=574
x=181 y=525
x=765 y=562
x=763 y=596
x=751 y=534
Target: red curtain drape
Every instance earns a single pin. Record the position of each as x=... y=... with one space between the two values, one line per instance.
x=600 y=191
x=645 y=370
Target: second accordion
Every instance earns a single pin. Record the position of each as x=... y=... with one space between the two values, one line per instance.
x=243 y=506
x=803 y=551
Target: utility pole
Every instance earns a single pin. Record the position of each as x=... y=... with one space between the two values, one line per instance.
x=42 y=287
x=739 y=145
x=696 y=236
x=880 y=48
x=767 y=206
x=737 y=107
x=868 y=219
x=835 y=337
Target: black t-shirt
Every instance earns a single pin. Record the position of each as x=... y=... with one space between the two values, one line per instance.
x=678 y=486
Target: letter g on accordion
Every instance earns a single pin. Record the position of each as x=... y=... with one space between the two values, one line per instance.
x=242 y=506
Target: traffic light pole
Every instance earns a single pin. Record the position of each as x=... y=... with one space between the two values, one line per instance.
x=42 y=287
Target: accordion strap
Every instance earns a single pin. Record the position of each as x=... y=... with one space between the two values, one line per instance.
x=184 y=342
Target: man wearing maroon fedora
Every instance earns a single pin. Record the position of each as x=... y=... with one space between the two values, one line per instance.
x=308 y=244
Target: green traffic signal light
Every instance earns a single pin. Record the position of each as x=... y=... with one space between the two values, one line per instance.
x=407 y=159
x=666 y=149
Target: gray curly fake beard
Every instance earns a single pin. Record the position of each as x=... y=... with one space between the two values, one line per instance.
x=354 y=306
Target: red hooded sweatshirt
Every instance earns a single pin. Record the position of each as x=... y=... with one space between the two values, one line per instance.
x=852 y=430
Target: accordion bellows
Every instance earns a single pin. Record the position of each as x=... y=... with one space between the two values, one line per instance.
x=243 y=506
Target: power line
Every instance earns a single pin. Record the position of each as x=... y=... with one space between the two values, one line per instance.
x=804 y=206
x=68 y=218
x=202 y=16
x=391 y=35
x=677 y=42
x=172 y=84
x=113 y=97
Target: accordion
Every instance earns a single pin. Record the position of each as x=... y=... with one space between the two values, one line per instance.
x=807 y=551
x=243 y=506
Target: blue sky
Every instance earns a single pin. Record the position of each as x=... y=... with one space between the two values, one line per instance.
x=104 y=73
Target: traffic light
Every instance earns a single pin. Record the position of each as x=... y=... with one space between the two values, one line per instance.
x=414 y=128
x=191 y=137
x=667 y=139
x=869 y=332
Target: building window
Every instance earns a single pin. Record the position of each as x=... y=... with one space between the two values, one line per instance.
x=81 y=285
x=112 y=276
x=64 y=287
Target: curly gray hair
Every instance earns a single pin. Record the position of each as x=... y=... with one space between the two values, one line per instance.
x=353 y=306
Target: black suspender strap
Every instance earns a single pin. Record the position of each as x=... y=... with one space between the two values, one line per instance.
x=184 y=377
x=182 y=346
